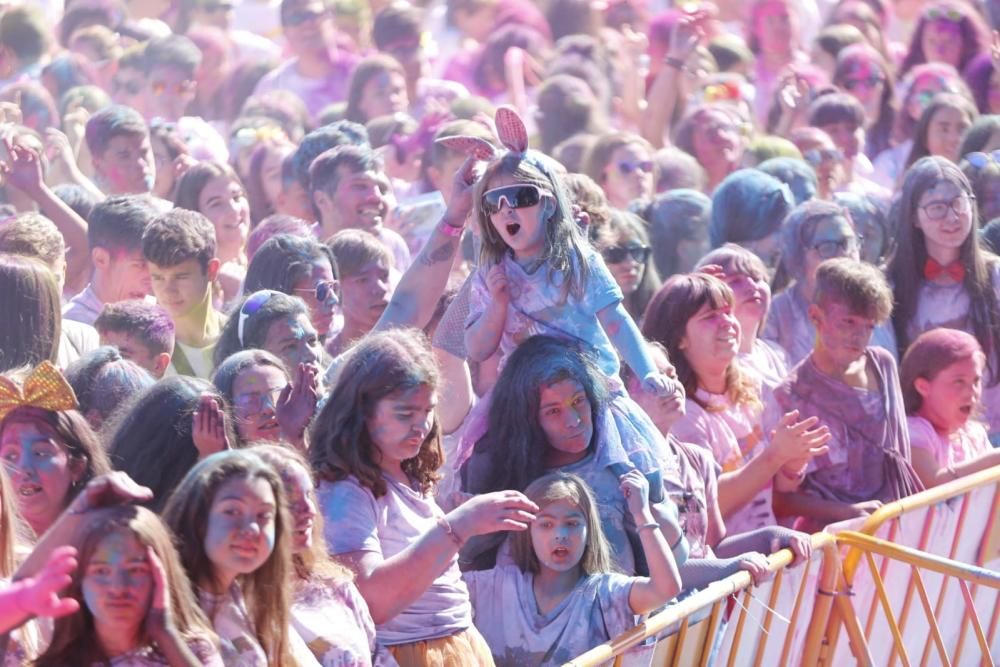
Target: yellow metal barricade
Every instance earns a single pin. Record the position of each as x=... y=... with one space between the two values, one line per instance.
x=883 y=595
x=773 y=624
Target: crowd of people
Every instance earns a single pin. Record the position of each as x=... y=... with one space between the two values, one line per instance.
x=350 y=332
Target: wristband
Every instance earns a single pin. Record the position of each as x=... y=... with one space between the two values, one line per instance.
x=676 y=63
x=450 y=532
x=651 y=526
x=449 y=229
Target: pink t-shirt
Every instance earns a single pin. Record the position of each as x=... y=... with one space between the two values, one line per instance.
x=734 y=436
x=968 y=443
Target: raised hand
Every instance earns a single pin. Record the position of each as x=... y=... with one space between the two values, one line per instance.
x=684 y=37
x=208 y=427
x=24 y=169
x=635 y=488
x=159 y=619
x=462 y=185
x=39 y=595
x=492 y=512
x=497 y=284
x=799 y=441
x=793 y=93
x=297 y=402
x=114 y=488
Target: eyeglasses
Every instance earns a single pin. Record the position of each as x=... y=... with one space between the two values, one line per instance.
x=867 y=82
x=218 y=8
x=626 y=167
x=831 y=249
x=251 y=306
x=818 y=156
x=939 y=13
x=618 y=254
x=161 y=87
x=979 y=160
x=129 y=87
x=324 y=291
x=938 y=210
x=254 y=402
x=298 y=18
x=513 y=196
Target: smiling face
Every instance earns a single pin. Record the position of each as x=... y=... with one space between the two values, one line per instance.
x=255 y=396
x=294 y=340
x=302 y=502
x=240 y=534
x=41 y=470
x=521 y=229
x=366 y=294
x=944 y=134
x=711 y=338
x=949 y=399
x=565 y=415
x=559 y=535
x=224 y=202
x=942 y=42
x=361 y=200
x=628 y=175
x=118 y=585
x=399 y=425
x=946 y=235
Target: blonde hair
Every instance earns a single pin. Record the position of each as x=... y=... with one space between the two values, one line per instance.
x=316 y=562
x=9 y=524
x=548 y=489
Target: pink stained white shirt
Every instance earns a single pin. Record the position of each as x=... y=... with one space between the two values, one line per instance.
x=966 y=444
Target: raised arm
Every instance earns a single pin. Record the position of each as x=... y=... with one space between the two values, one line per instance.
x=420 y=288
x=390 y=585
x=664 y=94
x=664 y=582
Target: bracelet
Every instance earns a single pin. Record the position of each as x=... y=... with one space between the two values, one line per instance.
x=652 y=526
x=676 y=63
x=450 y=532
x=450 y=230
x=680 y=538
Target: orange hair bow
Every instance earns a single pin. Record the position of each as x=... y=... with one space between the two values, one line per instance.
x=45 y=388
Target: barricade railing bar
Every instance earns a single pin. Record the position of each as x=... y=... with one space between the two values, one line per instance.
x=912 y=548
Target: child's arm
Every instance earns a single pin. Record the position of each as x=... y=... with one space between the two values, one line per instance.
x=627 y=339
x=931 y=475
x=483 y=336
x=664 y=582
x=39 y=596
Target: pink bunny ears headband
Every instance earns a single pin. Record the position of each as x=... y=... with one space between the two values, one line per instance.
x=513 y=135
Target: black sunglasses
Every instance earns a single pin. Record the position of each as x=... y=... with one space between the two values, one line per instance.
x=513 y=196
x=618 y=254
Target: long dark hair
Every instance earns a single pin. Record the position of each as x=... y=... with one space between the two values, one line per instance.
x=906 y=267
x=941 y=101
x=284 y=260
x=517 y=446
x=31 y=324
x=380 y=366
x=152 y=439
x=878 y=134
x=630 y=227
x=255 y=325
x=974 y=34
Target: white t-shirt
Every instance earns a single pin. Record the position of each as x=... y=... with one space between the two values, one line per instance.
x=358 y=521
x=506 y=613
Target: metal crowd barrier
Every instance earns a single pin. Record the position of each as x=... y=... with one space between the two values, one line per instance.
x=940 y=547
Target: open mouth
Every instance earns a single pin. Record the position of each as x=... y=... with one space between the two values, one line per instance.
x=371 y=214
x=966 y=410
x=270 y=425
x=560 y=552
x=29 y=490
x=513 y=228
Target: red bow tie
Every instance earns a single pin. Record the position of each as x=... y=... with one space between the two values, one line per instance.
x=933 y=270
